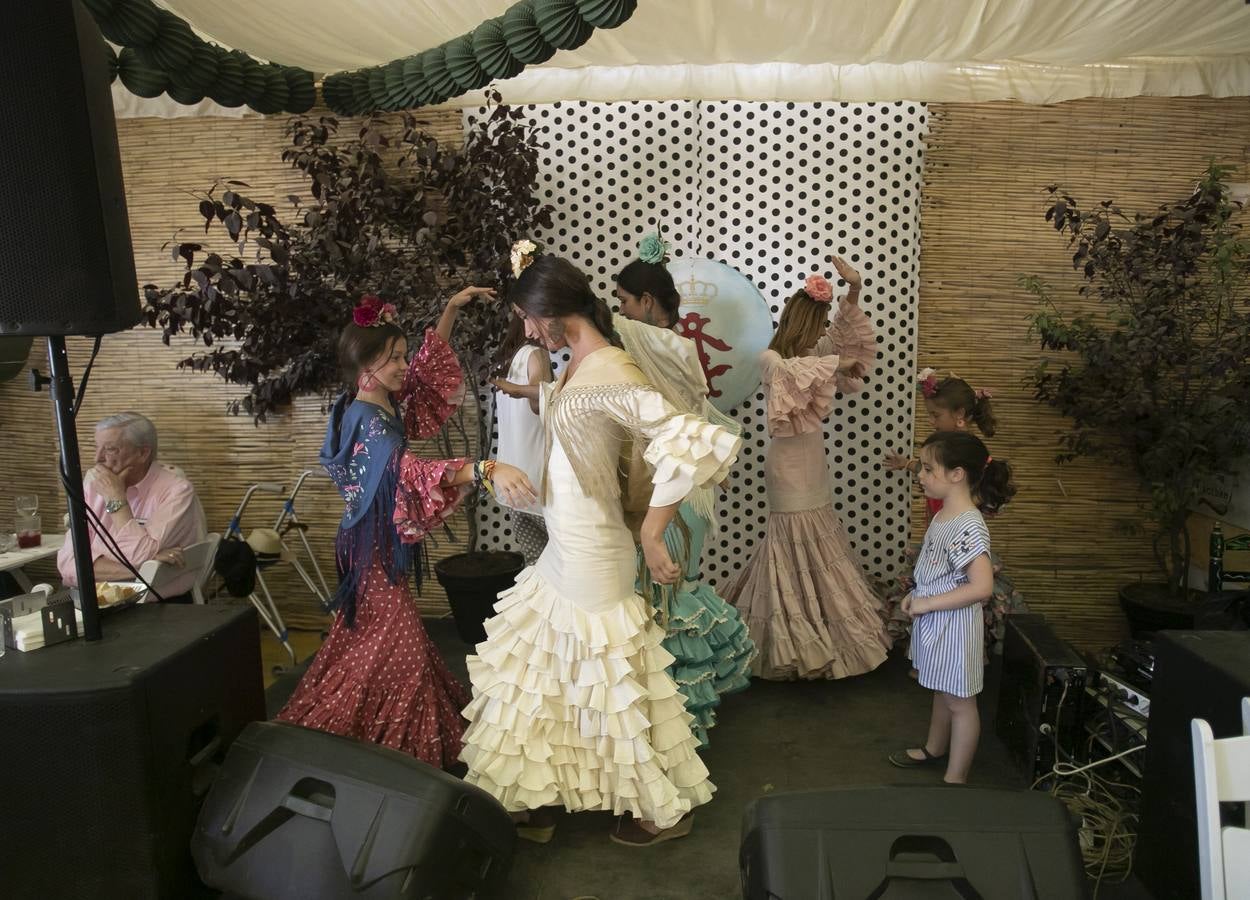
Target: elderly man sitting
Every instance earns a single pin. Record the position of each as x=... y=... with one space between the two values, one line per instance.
x=149 y=510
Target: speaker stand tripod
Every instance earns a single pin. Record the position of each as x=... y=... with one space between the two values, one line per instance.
x=71 y=470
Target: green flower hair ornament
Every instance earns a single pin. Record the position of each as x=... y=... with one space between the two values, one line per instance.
x=653 y=249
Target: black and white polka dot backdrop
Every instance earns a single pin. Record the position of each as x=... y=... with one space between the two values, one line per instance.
x=771 y=189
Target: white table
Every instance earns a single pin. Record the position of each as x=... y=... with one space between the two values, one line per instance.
x=15 y=559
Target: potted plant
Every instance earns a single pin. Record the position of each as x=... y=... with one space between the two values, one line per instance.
x=1154 y=373
x=393 y=213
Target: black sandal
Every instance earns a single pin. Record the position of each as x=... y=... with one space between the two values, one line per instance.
x=904 y=760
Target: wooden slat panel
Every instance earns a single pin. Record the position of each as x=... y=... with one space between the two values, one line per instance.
x=1066 y=537
x=163 y=161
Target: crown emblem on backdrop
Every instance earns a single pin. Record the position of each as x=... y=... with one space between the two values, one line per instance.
x=696 y=293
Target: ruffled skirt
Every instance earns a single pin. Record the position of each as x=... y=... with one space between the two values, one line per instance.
x=712 y=650
x=382 y=680
x=807 y=603
x=576 y=708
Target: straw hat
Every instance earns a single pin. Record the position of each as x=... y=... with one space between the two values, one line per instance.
x=268 y=547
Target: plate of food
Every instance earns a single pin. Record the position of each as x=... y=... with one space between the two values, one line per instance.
x=115 y=594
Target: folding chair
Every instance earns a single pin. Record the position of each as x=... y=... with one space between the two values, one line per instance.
x=198 y=558
x=1222 y=775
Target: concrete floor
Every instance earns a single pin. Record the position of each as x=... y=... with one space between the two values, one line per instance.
x=772 y=737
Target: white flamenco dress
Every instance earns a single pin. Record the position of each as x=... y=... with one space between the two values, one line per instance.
x=571 y=702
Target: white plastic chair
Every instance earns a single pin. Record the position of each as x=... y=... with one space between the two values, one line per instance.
x=198 y=558
x=1222 y=775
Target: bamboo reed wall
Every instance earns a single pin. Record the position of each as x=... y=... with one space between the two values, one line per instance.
x=1066 y=539
x=164 y=161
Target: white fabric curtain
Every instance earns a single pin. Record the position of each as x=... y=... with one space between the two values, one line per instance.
x=1039 y=51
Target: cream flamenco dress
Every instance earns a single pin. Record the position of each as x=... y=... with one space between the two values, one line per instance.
x=572 y=704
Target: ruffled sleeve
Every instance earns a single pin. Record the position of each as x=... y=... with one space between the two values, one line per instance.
x=971 y=539
x=800 y=390
x=423 y=498
x=851 y=336
x=433 y=388
x=685 y=451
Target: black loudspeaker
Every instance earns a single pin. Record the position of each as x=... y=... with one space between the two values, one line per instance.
x=1197 y=675
x=66 y=264
x=1041 y=695
x=302 y=814
x=109 y=747
x=905 y=843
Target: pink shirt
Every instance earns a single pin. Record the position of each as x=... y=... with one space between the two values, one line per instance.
x=166 y=514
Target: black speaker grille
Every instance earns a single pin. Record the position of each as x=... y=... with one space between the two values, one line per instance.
x=66 y=265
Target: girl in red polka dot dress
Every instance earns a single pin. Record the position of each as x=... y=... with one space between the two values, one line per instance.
x=378 y=677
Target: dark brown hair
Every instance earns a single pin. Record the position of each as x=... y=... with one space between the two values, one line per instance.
x=955 y=394
x=641 y=277
x=989 y=479
x=358 y=347
x=802 y=322
x=552 y=287
x=513 y=340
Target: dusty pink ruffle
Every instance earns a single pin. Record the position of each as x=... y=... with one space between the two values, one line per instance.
x=433 y=387
x=423 y=499
x=801 y=391
x=806 y=602
x=851 y=337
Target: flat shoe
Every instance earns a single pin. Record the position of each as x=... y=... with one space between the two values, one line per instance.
x=630 y=834
x=540 y=828
x=904 y=760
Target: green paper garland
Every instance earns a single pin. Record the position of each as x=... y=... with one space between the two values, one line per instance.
x=99 y=9
x=132 y=23
x=138 y=78
x=463 y=66
x=414 y=78
x=525 y=41
x=398 y=94
x=561 y=25
x=434 y=64
x=336 y=90
x=173 y=45
x=606 y=13
x=227 y=87
x=160 y=50
x=112 y=55
x=184 y=95
x=301 y=89
x=362 y=102
x=491 y=49
x=377 y=88
x=200 y=74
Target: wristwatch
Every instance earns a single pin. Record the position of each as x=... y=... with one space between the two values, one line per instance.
x=113 y=506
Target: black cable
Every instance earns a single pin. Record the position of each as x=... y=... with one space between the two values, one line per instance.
x=82 y=385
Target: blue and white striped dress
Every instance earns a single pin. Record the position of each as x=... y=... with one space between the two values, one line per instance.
x=948 y=645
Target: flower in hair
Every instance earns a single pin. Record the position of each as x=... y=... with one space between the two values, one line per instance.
x=983 y=394
x=371 y=311
x=523 y=253
x=818 y=288
x=928 y=381
x=653 y=249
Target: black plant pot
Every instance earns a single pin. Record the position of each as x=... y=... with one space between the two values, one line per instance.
x=473 y=582
x=1150 y=607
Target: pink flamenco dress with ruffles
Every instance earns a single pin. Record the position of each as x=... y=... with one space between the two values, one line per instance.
x=804 y=597
x=378 y=677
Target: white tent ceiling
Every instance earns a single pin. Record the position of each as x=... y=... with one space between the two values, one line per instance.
x=1039 y=51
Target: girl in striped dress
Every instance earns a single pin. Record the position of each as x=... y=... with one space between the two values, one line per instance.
x=954 y=578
